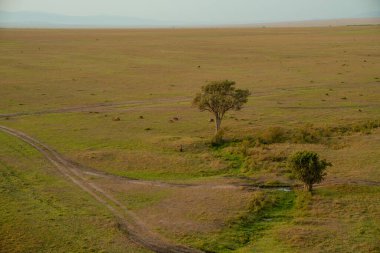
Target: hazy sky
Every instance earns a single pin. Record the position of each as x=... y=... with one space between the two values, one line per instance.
x=215 y=11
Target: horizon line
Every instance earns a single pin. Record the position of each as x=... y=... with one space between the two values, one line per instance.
x=339 y=22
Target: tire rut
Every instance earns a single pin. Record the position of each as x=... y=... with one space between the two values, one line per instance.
x=128 y=222
x=161 y=184
x=85 y=108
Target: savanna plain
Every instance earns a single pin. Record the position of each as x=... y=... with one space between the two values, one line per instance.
x=101 y=149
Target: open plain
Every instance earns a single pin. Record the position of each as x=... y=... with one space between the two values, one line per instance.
x=92 y=123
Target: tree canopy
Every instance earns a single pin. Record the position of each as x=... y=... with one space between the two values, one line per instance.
x=308 y=168
x=219 y=97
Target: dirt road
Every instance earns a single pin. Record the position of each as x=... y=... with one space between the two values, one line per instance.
x=135 y=228
x=98 y=107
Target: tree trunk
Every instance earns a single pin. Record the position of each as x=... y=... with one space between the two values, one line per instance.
x=218 y=122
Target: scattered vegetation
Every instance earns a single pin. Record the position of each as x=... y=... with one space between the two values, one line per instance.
x=313 y=135
x=257 y=153
x=341 y=217
x=265 y=211
x=273 y=135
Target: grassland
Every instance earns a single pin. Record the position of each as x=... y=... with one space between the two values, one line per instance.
x=41 y=212
x=70 y=84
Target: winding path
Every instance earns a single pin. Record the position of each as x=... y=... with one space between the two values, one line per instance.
x=99 y=106
x=137 y=231
x=128 y=222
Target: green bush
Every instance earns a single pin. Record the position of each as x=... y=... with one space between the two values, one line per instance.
x=307 y=167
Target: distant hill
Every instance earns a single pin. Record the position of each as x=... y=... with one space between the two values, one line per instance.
x=48 y=20
x=328 y=22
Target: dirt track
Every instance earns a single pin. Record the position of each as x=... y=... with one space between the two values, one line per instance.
x=100 y=107
x=135 y=228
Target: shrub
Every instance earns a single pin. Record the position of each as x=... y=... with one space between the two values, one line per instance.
x=307 y=134
x=307 y=167
x=250 y=165
x=217 y=139
x=366 y=127
x=260 y=201
x=273 y=135
x=244 y=147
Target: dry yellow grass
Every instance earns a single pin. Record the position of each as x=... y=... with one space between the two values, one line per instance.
x=322 y=76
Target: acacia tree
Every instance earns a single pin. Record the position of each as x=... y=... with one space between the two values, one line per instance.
x=308 y=168
x=218 y=97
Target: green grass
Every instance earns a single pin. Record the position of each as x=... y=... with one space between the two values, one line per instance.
x=289 y=72
x=334 y=219
x=139 y=200
x=41 y=212
x=266 y=211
